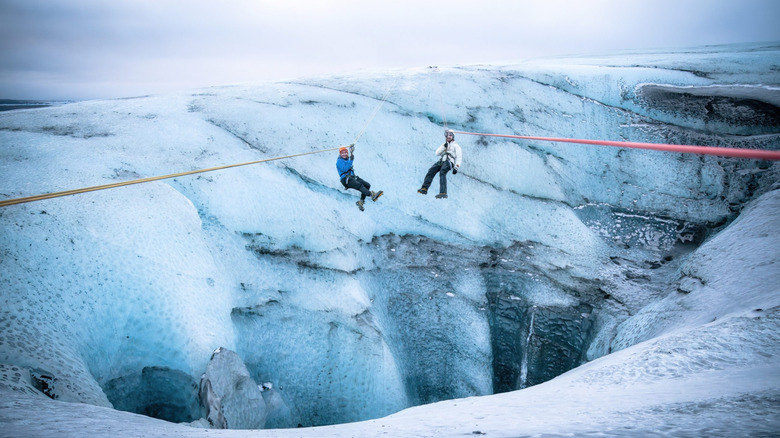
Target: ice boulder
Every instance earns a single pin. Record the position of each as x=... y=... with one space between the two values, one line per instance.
x=232 y=399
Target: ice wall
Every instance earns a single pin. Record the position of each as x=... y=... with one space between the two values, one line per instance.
x=536 y=262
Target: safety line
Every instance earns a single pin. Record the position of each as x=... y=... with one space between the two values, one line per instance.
x=760 y=154
x=145 y=180
x=376 y=110
x=441 y=100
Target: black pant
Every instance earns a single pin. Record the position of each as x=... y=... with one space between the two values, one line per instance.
x=442 y=167
x=357 y=183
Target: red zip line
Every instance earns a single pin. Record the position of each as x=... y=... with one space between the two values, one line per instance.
x=759 y=154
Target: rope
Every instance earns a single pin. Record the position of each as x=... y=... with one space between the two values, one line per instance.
x=441 y=102
x=376 y=109
x=145 y=180
x=759 y=154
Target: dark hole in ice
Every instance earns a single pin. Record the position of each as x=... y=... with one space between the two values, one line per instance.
x=158 y=392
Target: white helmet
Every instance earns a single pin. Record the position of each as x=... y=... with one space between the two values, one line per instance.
x=448 y=132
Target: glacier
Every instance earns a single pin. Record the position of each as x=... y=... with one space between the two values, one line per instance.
x=561 y=289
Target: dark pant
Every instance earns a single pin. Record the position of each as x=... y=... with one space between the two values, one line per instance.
x=357 y=183
x=442 y=167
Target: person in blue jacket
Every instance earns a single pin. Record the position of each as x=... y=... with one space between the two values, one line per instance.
x=351 y=181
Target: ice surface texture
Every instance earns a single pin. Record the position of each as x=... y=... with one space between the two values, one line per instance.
x=545 y=256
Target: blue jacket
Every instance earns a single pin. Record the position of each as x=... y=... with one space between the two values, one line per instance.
x=345 y=167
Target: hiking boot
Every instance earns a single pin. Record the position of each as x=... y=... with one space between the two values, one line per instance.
x=360 y=205
x=441 y=195
x=376 y=195
x=423 y=190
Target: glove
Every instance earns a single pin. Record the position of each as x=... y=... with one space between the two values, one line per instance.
x=351 y=149
x=455 y=171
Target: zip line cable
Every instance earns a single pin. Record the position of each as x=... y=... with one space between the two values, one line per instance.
x=191 y=172
x=759 y=154
x=145 y=180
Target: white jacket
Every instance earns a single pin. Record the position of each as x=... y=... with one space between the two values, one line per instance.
x=450 y=151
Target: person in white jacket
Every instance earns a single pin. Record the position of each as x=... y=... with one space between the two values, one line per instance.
x=450 y=156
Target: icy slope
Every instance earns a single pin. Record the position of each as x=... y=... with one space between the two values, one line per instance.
x=720 y=378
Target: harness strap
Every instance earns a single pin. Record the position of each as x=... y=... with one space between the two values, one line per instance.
x=447 y=156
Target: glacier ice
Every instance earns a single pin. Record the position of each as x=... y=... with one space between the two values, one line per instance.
x=545 y=257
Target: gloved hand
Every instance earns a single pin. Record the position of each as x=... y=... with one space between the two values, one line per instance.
x=455 y=171
x=351 y=149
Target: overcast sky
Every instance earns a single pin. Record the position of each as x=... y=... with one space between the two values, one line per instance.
x=87 y=49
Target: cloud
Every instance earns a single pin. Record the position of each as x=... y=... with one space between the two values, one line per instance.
x=94 y=48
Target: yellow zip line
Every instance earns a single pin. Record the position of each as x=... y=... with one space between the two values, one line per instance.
x=145 y=180
x=191 y=172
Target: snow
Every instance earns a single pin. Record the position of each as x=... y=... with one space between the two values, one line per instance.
x=672 y=260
